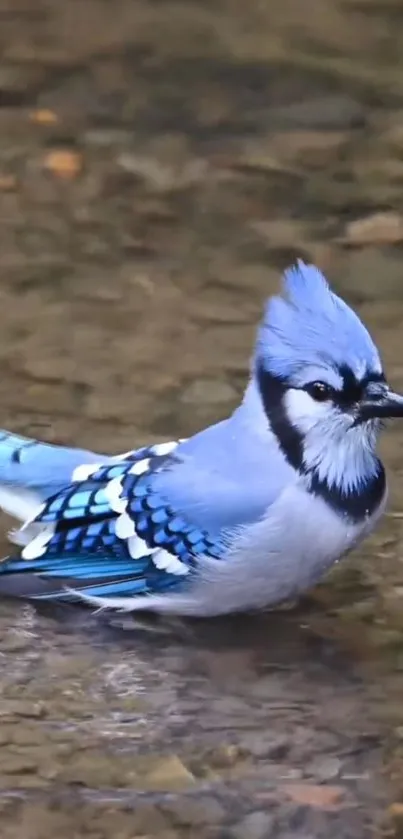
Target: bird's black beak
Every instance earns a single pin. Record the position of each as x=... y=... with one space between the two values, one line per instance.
x=383 y=406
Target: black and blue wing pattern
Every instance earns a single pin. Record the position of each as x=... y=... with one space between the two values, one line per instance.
x=108 y=534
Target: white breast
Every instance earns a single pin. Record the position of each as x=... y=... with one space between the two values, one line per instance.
x=277 y=559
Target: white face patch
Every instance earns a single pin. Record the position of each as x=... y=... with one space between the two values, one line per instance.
x=304 y=412
x=341 y=453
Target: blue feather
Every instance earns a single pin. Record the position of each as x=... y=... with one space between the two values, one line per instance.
x=42 y=467
x=158 y=519
x=310 y=326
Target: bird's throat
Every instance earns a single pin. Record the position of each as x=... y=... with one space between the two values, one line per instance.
x=346 y=474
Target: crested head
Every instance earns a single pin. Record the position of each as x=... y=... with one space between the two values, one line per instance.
x=320 y=381
x=309 y=326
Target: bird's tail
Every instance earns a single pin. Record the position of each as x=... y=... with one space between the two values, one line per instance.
x=85 y=556
x=31 y=471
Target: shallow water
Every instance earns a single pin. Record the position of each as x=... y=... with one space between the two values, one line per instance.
x=159 y=164
x=255 y=725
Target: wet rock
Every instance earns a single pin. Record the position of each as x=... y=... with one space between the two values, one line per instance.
x=310 y=148
x=106 y=137
x=6 y=735
x=18 y=81
x=24 y=781
x=300 y=835
x=148 y=820
x=209 y=391
x=8 y=183
x=258 y=825
x=27 y=735
x=359 y=274
x=225 y=756
x=227 y=312
x=274 y=746
x=19 y=764
x=292 y=149
x=330 y=112
x=58 y=398
x=21 y=708
x=398 y=732
x=281 y=233
x=195 y=812
x=376 y=229
x=163 y=176
x=395 y=813
x=93 y=770
x=324 y=768
x=168 y=774
x=14 y=643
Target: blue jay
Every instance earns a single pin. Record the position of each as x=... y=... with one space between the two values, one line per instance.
x=245 y=514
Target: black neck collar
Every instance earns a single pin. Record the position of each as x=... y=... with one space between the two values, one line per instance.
x=357 y=504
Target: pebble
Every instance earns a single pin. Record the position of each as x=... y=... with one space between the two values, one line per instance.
x=273 y=746
x=376 y=229
x=169 y=774
x=224 y=756
x=19 y=79
x=14 y=643
x=148 y=820
x=330 y=112
x=258 y=825
x=209 y=391
x=20 y=708
x=358 y=271
x=324 y=768
x=194 y=812
x=19 y=764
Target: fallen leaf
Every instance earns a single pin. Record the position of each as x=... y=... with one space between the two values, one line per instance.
x=64 y=163
x=43 y=117
x=8 y=183
x=396 y=811
x=322 y=796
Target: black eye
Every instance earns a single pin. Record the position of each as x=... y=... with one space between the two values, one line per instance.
x=319 y=391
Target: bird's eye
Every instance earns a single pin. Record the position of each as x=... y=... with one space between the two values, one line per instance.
x=319 y=391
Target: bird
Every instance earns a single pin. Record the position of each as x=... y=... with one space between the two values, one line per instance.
x=244 y=515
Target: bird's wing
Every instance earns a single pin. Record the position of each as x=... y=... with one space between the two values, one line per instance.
x=109 y=533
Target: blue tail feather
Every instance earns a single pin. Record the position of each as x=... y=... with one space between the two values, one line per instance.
x=72 y=542
x=53 y=578
x=42 y=467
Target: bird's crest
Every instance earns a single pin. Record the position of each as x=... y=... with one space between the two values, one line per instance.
x=308 y=325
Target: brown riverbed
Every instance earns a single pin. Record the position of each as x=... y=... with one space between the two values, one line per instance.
x=160 y=163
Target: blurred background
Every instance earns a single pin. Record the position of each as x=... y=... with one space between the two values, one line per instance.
x=160 y=163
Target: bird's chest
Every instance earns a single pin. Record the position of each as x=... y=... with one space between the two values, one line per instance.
x=288 y=550
x=314 y=537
